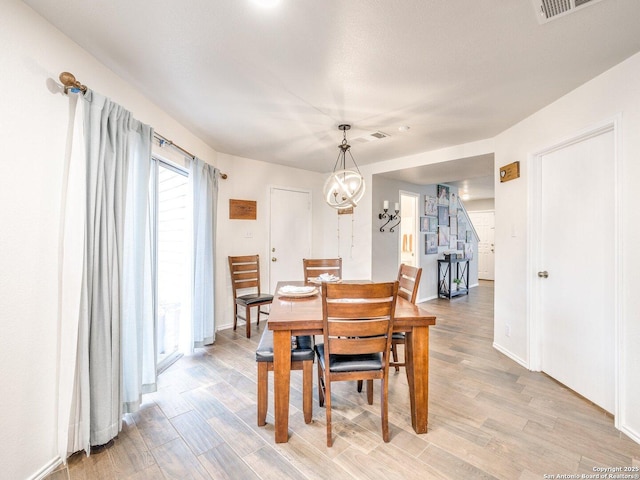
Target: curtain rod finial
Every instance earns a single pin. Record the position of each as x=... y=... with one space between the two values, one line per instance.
x=69 y=81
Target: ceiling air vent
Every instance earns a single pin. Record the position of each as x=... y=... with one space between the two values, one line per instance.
x=379 y=135
x=370 y=137
x=552 y=9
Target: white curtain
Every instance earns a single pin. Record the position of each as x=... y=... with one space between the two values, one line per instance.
x=73 y=425
x=139 y=303
x=204 y=182
x=107 y=345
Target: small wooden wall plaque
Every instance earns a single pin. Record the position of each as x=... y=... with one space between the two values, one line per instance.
x=243 y=209
x=509 y=172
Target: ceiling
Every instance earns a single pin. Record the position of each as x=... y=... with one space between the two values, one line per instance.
x=273 y=84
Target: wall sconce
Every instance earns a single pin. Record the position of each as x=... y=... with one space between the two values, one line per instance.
x=389 y=216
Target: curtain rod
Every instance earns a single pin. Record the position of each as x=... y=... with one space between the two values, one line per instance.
x=71 y=84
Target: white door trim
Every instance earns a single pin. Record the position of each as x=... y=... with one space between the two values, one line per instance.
x=416 y=224
x=534 y=224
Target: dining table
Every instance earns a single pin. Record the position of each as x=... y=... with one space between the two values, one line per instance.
x=302 y=315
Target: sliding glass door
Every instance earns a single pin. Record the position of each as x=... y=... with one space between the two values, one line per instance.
x=174 y=252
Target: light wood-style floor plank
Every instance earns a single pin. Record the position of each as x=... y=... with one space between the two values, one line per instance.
x=489 y=418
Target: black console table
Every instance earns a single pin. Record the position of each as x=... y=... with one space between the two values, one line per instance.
x=448 y=270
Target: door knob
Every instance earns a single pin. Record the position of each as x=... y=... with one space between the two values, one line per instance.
x=544 y=274
x=274 y=259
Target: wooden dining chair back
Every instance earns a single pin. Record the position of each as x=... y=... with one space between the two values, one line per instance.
x=357 y=328
x=408 y=283
x=314 y=267
x=245 y=282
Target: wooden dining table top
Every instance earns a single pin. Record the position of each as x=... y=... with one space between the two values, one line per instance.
x=305 y=313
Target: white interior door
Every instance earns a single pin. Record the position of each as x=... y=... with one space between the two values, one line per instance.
x=409 y=228
x=289 y=233
x=484 y=223
x=577 y=253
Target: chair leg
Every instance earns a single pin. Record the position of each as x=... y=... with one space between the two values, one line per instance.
x=307 y=390
x=370 y=392
x=359 y=386
x=263 y=389
x=328 y=412
x=320 y=386
x=394 y=351
x=235 y=316
x=384 y=408
x=247 y=317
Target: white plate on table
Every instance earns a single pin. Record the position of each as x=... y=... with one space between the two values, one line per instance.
x=296 y=291
x=328 y=279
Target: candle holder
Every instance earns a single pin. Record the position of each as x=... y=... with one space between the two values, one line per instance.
x=389 y=216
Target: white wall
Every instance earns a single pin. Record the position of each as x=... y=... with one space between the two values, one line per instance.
x=603 y=98
x=478 y=205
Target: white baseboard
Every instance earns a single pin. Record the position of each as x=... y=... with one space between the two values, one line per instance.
x=224 y=326
x=46 y=469
x=513 y=357
x=421 y=300
x=635 y=436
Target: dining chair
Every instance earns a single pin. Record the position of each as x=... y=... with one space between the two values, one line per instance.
x=302 y=356
x=408 y=283
x=245 y=275
x=314 y=267
x=357 y=327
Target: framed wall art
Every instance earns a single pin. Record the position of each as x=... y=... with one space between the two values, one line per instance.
x=430 y=205
x=430 y=243
x=443 y=195
x=429 y=224
x=453 y=224
x=443 y=215
x=443 y=236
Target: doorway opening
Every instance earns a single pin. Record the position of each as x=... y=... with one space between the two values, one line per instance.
x=173 y=222
x=409 y=212
x=484 y=224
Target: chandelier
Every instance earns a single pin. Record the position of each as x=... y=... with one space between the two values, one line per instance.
x=344 y=188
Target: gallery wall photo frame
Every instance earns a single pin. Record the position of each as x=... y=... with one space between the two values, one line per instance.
x=443 y=195
x=453 y=241
x=430 y=206
x=468 y=251
x=443 y=236
x=430 y=243
x=443 y=215
x=453 y=224
x=429 y=224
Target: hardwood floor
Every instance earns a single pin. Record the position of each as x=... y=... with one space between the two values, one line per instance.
x=488 y=418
